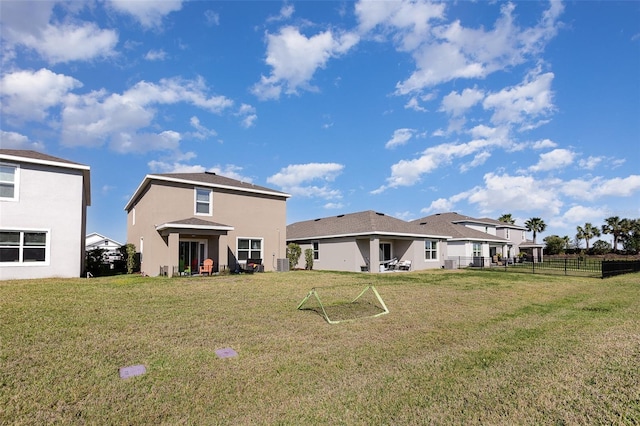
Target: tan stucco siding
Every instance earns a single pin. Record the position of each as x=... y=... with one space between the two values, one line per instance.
x=251 y=215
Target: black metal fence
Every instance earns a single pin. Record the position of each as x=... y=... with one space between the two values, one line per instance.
x=586 y=267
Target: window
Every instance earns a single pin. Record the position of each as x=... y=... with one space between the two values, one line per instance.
x=8 y=182
x=203 y=201
x=477 y=250
x=508 y=234
x=430 y=250
x=316 y=250
x=23 y=246
x=249 y=248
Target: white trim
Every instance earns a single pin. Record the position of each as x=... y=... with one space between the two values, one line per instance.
x=47 y=247
x=16 y=182
x=195 y=201
x=44 y=162
x=261 y=239
x=360 y=234
x=169 y=225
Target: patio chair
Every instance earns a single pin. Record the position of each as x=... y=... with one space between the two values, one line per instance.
x=207 y=267
x=404 y=265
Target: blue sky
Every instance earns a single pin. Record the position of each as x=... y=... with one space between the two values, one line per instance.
x=404 y=107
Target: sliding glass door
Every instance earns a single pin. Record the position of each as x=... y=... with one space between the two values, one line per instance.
x=192 y=254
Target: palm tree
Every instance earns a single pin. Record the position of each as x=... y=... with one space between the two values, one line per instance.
x=587 y=232
x=506 y=218
x=616 y=227
x=535 y=225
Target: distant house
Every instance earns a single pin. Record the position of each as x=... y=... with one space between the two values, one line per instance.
x=43 y=204
x=479 y=240
x=370 y=241
x=95 y=240
x=178 y=220
x=110 y=248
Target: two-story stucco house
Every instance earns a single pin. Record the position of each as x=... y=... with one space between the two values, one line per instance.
x=43 y=211
x=177 y=220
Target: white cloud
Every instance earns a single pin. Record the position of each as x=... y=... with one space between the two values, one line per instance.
x=13 y=140
x=556 y=159
x=148 y=13
x=201 y=131
x=212 y=18
x=590 y=163
x=333 y=206
x=543 y=144
x=27 y=24
x=231 y=171
x=164 y=167
x=516 y=193
x=451 y=51
x=583 y=214
x=409 y=172
x=294 y=59
x=156 y=55
x=478 y=160
x=413 y=104
x=440 y=205
x=28 y=95
x=457 y=104
x=295 y=179
x=97 y=117
x=248 y=115
x=522 y=103
x=400 y=137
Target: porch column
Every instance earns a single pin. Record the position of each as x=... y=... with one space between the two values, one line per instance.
x=174 y=252
x=374 y=254
x=223 y=253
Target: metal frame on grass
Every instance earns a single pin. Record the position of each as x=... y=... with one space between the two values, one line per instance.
x=314 y=293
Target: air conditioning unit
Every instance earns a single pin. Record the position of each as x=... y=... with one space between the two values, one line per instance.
x=450 y=264
x=282 y=265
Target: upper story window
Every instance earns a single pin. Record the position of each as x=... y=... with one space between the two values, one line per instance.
x=8 y=182
x=508 y=234
x=17 y=247
x=203 y=201
x=430 y=250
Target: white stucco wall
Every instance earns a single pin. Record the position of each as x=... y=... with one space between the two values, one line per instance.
x=50 y=199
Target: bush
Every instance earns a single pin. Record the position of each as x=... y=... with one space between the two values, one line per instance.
x=293 y=254
x=308 y=259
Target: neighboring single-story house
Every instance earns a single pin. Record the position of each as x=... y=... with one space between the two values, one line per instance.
x=368 y=240
x=177 y=220
x=43 y=204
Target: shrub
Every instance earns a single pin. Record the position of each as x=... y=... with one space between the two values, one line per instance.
x=293 y=254
x=308 y=259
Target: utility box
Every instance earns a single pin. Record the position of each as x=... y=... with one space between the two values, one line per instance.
x=451 y=264
x=282 y=265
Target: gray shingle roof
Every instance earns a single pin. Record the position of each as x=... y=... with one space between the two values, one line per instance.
x=361 y=223
x=215 y=179
x=451 y=224
x=34 y=155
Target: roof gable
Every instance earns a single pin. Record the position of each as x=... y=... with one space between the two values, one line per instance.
x=453 y=224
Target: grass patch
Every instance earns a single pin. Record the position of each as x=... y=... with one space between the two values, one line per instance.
x=458 y=347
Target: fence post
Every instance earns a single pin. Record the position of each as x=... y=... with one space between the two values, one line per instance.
x=565 y=266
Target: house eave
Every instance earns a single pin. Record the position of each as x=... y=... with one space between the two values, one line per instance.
x=373 y=233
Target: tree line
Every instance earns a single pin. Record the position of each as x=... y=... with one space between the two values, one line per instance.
x=625 y=232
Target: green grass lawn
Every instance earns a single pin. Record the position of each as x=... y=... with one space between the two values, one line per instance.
x=458 y=347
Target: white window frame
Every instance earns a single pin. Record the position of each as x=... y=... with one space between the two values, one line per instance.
x=430 y=247
x=21 y=246
x=16 y=182
x=196 y=202
x=250 y=239
x=478 y=252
